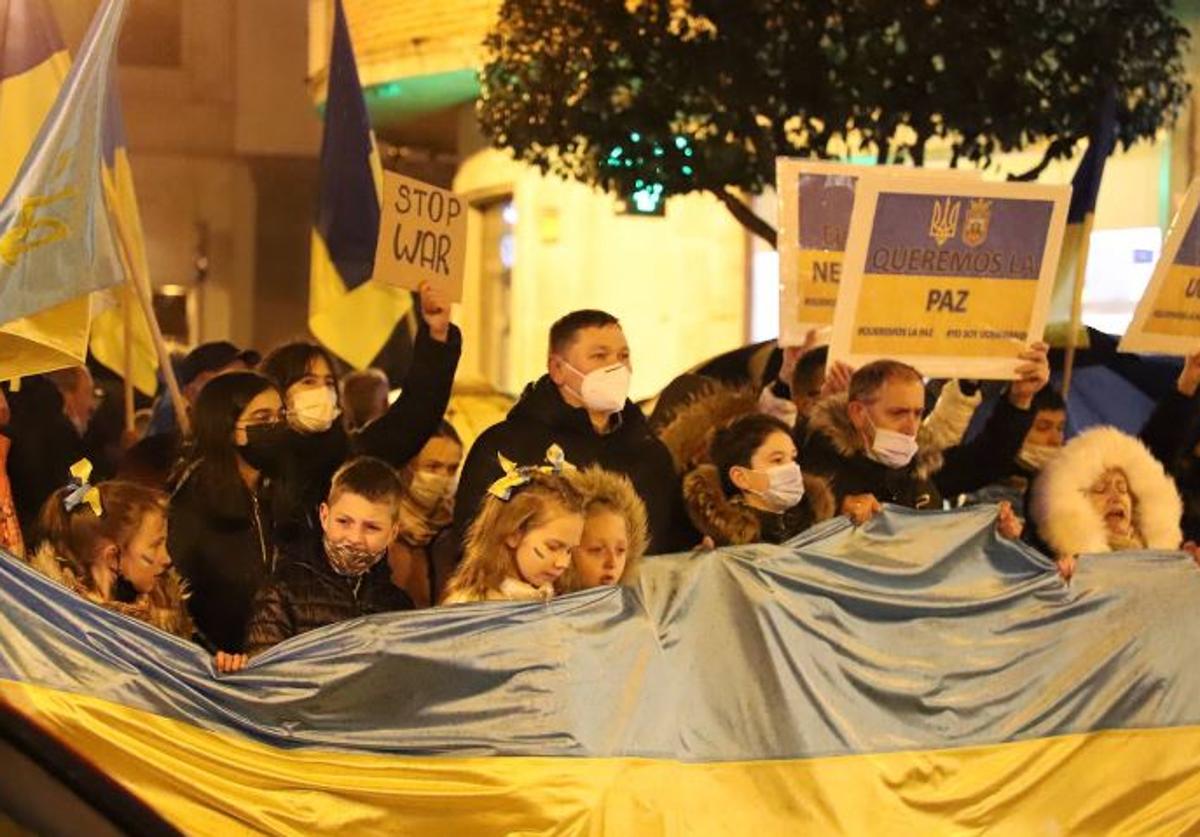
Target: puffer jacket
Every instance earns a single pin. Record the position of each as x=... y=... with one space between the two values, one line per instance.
x=306 y=593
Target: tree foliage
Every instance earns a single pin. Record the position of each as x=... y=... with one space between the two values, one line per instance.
x=702 y=95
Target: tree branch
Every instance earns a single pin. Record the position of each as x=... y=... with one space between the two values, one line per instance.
x=746 y=216
x=1053 y=151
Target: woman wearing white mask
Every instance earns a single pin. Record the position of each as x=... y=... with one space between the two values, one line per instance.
x=318 y=445
x=754 y=490
x=426 y=510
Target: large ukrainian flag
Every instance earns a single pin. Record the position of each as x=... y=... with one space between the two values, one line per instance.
x=56 y=244
x=913 y=676
x=349 y=314
x=33 y=64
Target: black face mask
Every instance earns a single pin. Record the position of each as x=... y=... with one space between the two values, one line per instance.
x=266 y=446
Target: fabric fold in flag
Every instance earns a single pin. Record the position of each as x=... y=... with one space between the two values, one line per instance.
x=918 y=673
x=33 y=64
x=108 y=324
x=351 y=315
x=55 y=240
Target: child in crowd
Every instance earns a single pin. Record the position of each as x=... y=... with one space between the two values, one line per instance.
x=426 y=510
x=336 y=574
x=614 y=531
x=108 y=544
x=520 y=542
x=754 y=491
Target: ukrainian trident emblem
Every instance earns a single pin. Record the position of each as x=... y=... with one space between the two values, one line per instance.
x=978 y=220
x=943 y=225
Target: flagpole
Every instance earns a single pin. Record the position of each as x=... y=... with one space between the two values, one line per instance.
x=141 y=287
x=1085 y=244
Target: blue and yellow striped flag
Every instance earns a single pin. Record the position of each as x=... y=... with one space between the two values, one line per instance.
x=56 y=244
x=33 y=65
x=349 y=314
x=1085 y=189
x=108 y=325
x=917 y=675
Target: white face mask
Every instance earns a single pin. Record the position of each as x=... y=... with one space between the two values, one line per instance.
x=604 y=390
x=785 y=487
x=892 y=449
x=313 y=410
x=1034 y=457
x=429 y=489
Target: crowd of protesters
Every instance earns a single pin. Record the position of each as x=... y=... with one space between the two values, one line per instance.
x=300 y=499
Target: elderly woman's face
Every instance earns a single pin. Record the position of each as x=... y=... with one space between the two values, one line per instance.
x=1111 y=499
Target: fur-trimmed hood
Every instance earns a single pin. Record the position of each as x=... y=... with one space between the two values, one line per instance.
x=163 y=608
x=688 y=432
x=729 y=522
x=1065 y=518
x=831 y=418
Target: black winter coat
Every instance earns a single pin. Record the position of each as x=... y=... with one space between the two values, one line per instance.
x=834 y=450
x=307 y=594
x=44 y=447
x=540 y=419
x=225 y=556
x=395 y=437
x=1171 y=433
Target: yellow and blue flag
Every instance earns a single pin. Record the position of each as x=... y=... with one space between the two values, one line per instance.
x=895 y=678
x=108 y=323
x=351 y=315
x=1085 y=189
x=33 y=65
x=56 y=243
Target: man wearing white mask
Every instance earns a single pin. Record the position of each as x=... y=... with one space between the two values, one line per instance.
x=867 y=442
x=582 y=405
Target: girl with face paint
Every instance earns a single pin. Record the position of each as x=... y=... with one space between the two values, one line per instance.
x=517 y=548
x=107 y=543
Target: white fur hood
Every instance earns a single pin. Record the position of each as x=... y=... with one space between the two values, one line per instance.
x=1064 y=516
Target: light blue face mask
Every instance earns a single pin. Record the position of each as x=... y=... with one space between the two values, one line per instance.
x=785 y=487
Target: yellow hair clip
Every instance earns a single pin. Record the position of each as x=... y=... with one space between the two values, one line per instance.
x=83 y=491
x=516 y=476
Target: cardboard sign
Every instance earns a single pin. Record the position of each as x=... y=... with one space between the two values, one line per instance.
x=422 y=236
x=954 y=278
x=815 y=202
x=1167 y=319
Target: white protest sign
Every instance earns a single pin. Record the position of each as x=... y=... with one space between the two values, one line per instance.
x=815 y=201
x=1167 y=319
x=422 y=236
x=951 y=277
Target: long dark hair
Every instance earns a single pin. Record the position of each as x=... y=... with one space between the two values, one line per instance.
x=212 y=461
x=287 y=364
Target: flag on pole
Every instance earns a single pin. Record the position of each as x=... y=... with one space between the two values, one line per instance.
x=33 y=64
x=108 y=322
x=349 y=314
x=1085 y=188
x=56 y=245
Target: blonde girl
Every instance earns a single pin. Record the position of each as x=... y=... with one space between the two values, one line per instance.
x=615 y=531
x=520 y=542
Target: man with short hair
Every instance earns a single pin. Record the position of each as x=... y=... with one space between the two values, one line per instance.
x=582 y=405
x=866 y=441
x=198 y=367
